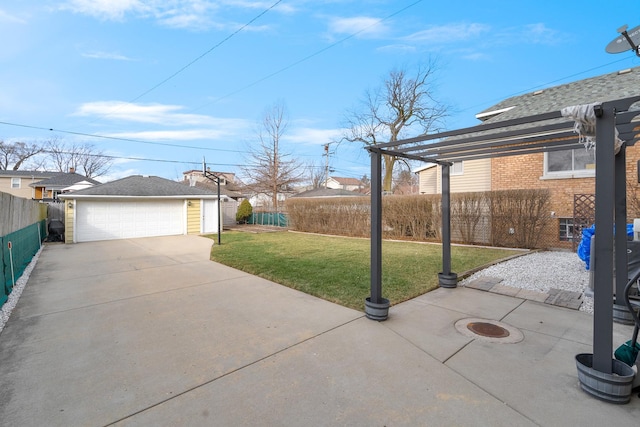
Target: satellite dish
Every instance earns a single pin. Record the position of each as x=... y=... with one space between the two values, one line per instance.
x=628 y=40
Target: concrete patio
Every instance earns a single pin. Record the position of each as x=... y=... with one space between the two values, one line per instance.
x=151 y=332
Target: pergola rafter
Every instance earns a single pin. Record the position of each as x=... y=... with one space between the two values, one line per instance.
x=527 y=135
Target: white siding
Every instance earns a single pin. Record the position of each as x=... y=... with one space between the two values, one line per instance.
x=476 y=176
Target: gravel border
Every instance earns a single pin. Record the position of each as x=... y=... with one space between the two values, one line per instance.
x=14 y=296
x=542 y=271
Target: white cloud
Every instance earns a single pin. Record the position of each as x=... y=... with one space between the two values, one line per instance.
x=5 y=17
x=312 y=136
x=107 y=9
x=397 y=48
x=106 y=55
x=462 y=36
x=475 y=56
x=161 y=114
x=540 y=34
x=188 y=14
x=183 y=126
x=450 y=34
x=364 y=26
x=174 y=135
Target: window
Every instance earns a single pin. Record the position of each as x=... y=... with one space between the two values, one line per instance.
x=570 y=163
x=566 y=229
x=15 y=182
x=456 y=168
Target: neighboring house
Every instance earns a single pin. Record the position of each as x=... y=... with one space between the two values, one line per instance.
x=139 y=206
x=350 y=184
x=568 y=174
x=470 y=175
x=195 y=178
x=60 y=183
x=40 y=185
x=18 y=183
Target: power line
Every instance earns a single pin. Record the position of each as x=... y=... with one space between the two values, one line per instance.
x=306 y=58
x=140 y=159
x=220 y=43
x=547 y=84
x=90 y=135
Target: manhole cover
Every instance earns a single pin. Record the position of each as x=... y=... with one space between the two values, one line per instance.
x=488 y=330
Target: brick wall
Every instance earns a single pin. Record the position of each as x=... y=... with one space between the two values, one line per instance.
x=526 y=171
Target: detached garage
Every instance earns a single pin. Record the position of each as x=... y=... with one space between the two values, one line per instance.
x=139 y=206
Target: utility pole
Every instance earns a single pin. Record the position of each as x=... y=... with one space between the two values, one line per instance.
x=326 y=166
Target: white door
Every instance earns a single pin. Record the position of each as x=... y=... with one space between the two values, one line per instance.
x=126 y=220
x=209 y=216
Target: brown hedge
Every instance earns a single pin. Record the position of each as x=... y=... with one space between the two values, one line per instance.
x=515 y=218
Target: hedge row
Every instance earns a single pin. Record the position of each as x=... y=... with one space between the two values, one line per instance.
x=514 y=218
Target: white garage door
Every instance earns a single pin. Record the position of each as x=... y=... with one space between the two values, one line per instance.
x=126 y=220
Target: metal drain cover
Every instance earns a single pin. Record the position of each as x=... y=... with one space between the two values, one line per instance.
x=489 y=331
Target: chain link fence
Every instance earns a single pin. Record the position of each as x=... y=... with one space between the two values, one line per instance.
x=18 y=248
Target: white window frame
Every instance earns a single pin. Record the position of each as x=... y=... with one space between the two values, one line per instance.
x=18 y=181
x=569 y=229
x=579 y=173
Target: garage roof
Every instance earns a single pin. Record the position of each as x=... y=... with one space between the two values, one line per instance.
x=141 y=186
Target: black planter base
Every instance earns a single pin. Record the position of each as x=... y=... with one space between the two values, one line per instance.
x=448 y=280
x=376 y=311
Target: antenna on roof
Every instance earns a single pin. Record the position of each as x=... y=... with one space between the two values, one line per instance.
x=628 y=40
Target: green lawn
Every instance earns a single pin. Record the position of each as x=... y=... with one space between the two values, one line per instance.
x=337 y=268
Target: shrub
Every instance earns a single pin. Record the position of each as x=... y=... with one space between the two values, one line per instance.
x=518 y=217
x=244 y=212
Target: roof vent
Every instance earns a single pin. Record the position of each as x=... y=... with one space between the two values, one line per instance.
x=626 y=71
x=538 y=92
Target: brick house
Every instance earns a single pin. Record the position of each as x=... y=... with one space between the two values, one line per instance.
x=568 y=174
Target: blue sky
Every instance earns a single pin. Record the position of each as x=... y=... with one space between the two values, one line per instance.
x=183 y=79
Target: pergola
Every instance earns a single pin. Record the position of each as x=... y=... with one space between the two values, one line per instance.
x=532 y=134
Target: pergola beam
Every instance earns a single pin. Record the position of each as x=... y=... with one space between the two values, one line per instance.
x=479 y=128
x=494 y=139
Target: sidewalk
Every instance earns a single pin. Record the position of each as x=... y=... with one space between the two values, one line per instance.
x=150 y=332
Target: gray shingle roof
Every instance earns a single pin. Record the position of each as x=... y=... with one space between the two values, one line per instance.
x=607 y=87
x=139 y=186
x=64 y=180
x=28 y=174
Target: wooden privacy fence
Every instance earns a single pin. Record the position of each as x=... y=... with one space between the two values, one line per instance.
x=17 y=213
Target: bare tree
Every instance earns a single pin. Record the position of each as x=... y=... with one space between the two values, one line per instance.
x=14 y=154
x=406 y=182
x=403 y=105
x=269 y=169
x=84 y=158
x=316 y=175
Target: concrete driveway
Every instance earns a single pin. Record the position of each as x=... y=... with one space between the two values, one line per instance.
x=150 y=332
